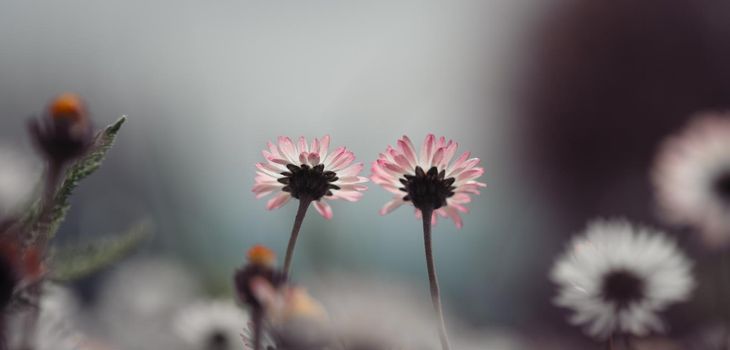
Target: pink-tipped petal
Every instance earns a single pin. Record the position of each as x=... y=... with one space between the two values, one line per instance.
x=287 y=149
x=409 y=152
x=323 y=209
x=448 y=154
x=427 y=150
x=303 y=158
x=313 y=159
x=315 y=146
x=455 y=217
x=278 y=201
x=437 y=157
x=324 y=147
x=302 y=147
x=352 y=170
x=393 y=204
x=470 y=174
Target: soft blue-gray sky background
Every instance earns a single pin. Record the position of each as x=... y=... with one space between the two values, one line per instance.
x=206 y=84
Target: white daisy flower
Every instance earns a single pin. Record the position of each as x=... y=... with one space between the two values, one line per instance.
x=18 y=176
x=211 y=325
x=56 y=327
x=139 y=301
x=616 y=278
x=692 y=177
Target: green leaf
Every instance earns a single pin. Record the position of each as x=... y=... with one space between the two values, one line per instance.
x=73 y=263
x=80 y=169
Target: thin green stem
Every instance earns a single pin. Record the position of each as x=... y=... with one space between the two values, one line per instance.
x=433 y=280
x=301 y=212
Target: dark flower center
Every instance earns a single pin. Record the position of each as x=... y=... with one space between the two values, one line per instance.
x=217 y=340
x=427 y=190
x=722 y=186
x=309 y=182
x=622 y=287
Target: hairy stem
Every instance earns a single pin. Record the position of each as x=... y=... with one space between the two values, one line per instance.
x=433 y=280
x=303 y=206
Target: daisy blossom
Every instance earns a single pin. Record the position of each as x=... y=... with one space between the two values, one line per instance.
x=616 y=277
x=692 y=178
x=211 y=325
x=428 y=180
x=308 y=172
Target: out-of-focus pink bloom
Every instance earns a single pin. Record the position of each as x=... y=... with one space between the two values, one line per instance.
x=692 y=178
x=310 y=172
x=429 y=179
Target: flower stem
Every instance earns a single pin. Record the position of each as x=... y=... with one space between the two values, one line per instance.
x=433 y=280
x=303 y=206
x=257 y=318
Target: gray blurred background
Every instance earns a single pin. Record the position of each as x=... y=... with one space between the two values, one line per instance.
x=564 y=102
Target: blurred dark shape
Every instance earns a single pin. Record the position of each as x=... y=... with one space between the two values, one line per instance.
x=65 y=132
x=607 y=81
x=260 y=264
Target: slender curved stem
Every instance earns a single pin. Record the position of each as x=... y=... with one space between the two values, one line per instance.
x=303 y=206
x=257 y=318
x=433 y=280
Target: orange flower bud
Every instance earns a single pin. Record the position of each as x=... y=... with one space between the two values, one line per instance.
x=261 y=255
x=68 y=106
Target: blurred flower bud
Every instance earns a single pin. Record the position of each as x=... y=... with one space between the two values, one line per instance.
x=65 y=132
x=261 y=262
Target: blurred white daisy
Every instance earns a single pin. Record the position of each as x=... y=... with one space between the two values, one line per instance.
x=616 y=277
x=692 y=177
x=57 y=325
x=18 y=176
x=211 y=325
x=139 y=301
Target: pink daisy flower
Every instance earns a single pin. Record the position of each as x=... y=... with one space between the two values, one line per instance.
x=308 y=172
x=428 y=180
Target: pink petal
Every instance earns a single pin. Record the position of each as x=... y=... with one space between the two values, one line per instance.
x=448 y=154
x=393 y=204
x=323 y=147
x=352 y=180
x=278 y=201
x=334 y=155
x=303 y=158
x=315 y=146
x=350 y=196
x=352 y=170
x=268 y=168
x=286 y=146
x=427 y=150
x=403 y=162
x=470 y=174
x=459 y=161
x=262 y=190
x=313 y=159
x=278 y=160
x=273 y=149
x=323 y=209
x=437 y=157
x=302 y=145
x=409 y=152
x=454 y=215
x=342 y=162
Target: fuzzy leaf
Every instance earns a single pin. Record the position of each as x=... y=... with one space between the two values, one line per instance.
x=72 y=263
x=79 y=170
